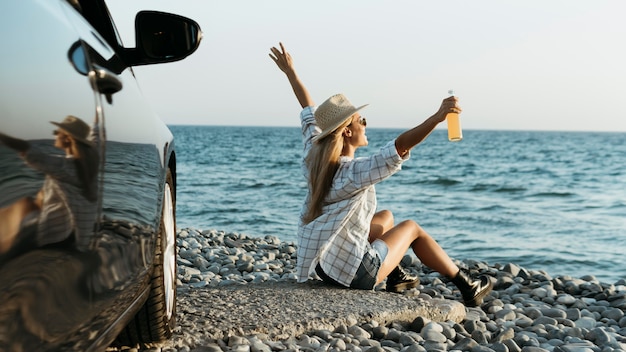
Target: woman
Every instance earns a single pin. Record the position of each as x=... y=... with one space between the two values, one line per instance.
x=65 y=208
x=341 y=237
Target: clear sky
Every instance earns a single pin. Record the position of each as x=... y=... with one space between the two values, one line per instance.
x=515 y=65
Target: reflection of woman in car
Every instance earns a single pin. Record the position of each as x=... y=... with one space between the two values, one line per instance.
x=66 y=203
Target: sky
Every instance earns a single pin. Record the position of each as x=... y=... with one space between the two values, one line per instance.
x=553 y=65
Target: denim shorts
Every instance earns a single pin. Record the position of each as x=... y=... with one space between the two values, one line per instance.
x=365 y=277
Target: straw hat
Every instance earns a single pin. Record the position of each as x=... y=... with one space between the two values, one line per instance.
x=74 y=127
x=333 y=113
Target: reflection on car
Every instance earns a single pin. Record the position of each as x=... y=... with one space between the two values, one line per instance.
x=87 y=180
x=65 y=207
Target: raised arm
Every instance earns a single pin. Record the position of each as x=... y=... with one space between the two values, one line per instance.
x=417 y=134
x=284 y=62
x=17 y=144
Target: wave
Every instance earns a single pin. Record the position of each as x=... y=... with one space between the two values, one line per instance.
x=552 y=194
x=439 y=181
x=492 y=208
x=505 y=189
x=496 y=188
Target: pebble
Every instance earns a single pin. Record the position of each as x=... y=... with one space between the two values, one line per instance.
x=528 y=310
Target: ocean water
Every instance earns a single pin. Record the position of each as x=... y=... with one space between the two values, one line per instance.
x=553 y=201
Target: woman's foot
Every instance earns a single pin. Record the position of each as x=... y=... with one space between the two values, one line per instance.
x=473 y=290
x=399 y=280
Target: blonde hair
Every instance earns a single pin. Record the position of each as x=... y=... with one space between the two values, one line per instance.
x=323 y=162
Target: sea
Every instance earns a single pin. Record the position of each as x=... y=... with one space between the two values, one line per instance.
x=551 y=201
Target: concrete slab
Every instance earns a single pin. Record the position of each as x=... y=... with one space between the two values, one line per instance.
x=285 y=309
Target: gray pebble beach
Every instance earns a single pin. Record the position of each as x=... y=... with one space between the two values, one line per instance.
x=238 y=293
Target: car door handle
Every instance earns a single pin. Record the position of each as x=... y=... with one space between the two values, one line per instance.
x=105 y=82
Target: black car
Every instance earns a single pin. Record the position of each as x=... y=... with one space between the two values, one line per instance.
x=87 y=178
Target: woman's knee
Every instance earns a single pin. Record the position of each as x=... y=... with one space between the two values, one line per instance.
x=409 y=224
x=413 y=227
x=385 y=216
x=381 y=223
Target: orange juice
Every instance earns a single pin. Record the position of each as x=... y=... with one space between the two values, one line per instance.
x=454 y=127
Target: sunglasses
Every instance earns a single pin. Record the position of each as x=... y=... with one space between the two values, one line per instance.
x=362 y=121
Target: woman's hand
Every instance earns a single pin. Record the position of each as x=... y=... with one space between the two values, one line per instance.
x=448 y=105
x=282 y=59
x=285 y=63
x=409 y=139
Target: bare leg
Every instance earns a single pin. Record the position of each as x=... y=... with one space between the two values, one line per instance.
x=12 y=217
x=381 y=223
x=409 y=234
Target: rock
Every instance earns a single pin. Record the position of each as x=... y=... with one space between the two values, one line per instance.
x=238 y=292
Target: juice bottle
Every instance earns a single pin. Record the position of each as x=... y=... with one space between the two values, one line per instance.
x=454 y=125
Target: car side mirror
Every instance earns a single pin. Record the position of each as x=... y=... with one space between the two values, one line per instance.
x=164 y=37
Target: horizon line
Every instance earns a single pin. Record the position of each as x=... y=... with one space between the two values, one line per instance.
x=401 y=128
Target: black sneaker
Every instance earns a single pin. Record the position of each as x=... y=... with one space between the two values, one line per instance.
x=399 y=280
x=472 y=289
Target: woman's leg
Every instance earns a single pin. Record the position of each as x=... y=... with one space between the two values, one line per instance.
x=398 y=280
x=12 y=217
x=409 y=234
x=381 y=223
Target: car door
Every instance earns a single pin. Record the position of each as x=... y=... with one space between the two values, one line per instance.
x=49 y=196
x=86 y=178
x=67 y=271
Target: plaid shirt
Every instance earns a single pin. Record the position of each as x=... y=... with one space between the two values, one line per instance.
x=65 y=209
x=338 y=238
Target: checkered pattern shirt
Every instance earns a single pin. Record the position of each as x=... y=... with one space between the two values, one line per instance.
x=338 y=238
x=65 y=209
